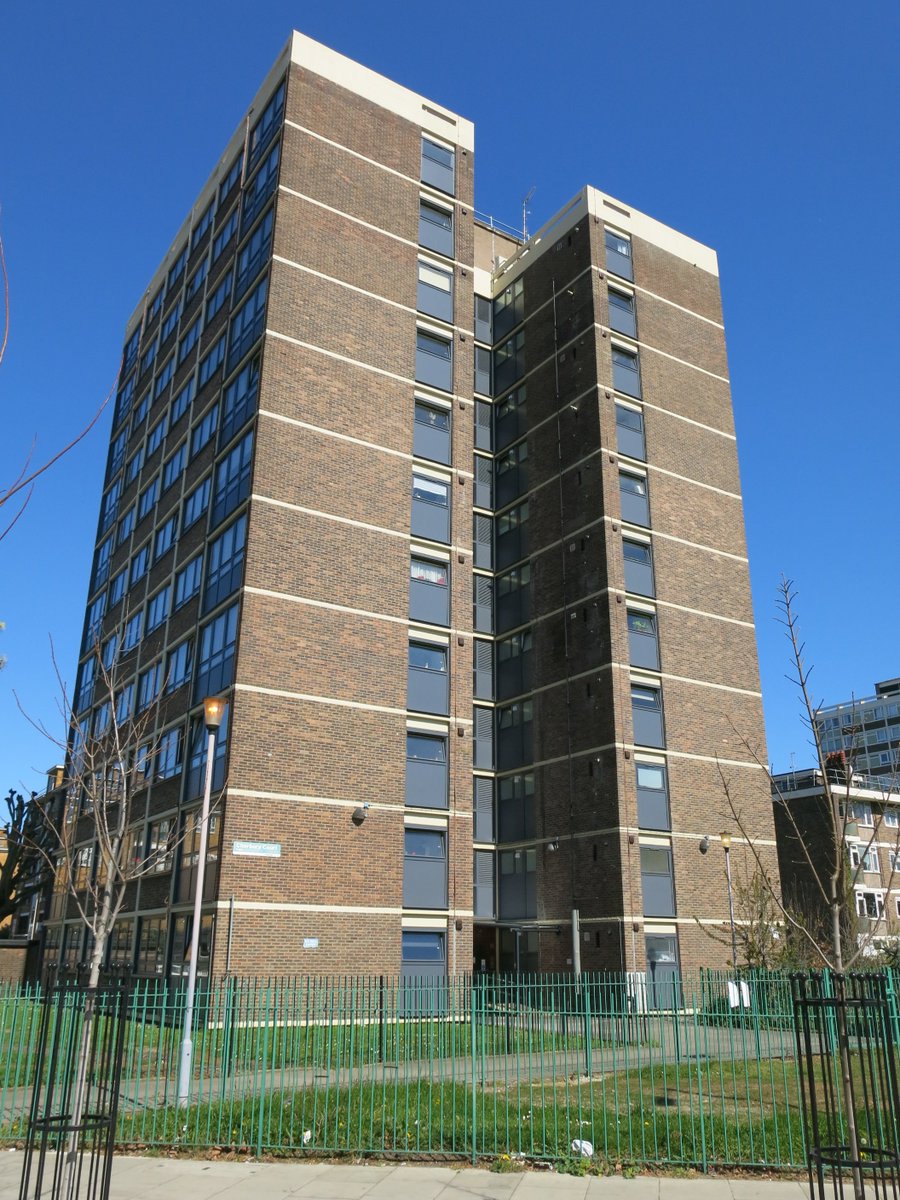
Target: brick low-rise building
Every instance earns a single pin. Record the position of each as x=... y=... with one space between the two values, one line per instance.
x=454 y=522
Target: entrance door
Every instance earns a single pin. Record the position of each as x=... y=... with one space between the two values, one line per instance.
x=663 y=989
x=423 y=989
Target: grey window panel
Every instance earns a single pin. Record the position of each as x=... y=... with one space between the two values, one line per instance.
x=484 y=809
x=423 y=969
x=483 y=480
x=513 y=608
x=429 y=691
x=639 y=576
x=484 y=601
x=435 y=229
x=437 y=167
x=627 y=375
x=516 y=894
x=514 y=676
x=617 y=262
x=483 y=319
x=622 y=314
x=483 y=755
x=512 y=546
x=514 y=746
x=424 y=882
x=426 y=783
x=643 y=650
x=509 y=423
x=630 y=433
x=648 y=727
x=434 y=301
x=515 y=817
x=431 y=521
x=429 y=602
x=635 y=508
x=482 y=370
x=658 y=888
x=484 y=670
x=663 y=984
x=430 y=440
x=511 y=483
x=484 y=883
x=483 y=412
x=652 y=796
x=482 y=529
x=435 y=370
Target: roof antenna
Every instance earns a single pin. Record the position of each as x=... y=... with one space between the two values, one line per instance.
x=526 y=213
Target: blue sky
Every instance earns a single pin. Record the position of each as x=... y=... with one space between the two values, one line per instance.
x=766 y=130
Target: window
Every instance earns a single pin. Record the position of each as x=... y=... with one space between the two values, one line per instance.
x=225 y=234
x=483 y=809
x=117 y=587
x=424 y=951
x=267 y=125
x=514 y=665
x=139 y=564
x=129 y=355
x=435 y=228
x=211 y=362
x=514 y=734
x=189 y=341
x=259 y=189
x=147 y=358
x=120 y=946
x=247 y=324
x=196 y=281
x=155 y=305
x=891 y=818
x=428 y=688
x=219 y=297
x=870 y=904
x=630 y=432
x=511 y=472
x=516 y=890
x=233 y=479
x=633 y=495
x=865 y=859
x=156 y=435
x=196 y=503
x=187 y=581
x=621 y=312
x=225 y=564
x=132 y=634
x=198 y=744
x=434 y=293
x=646 y=715
x=101 y=563
x=431 y=432
x=509 y=417
x=218 y=642
x=177 y=267
x=509 y=361
x=168 y=756
x=110 y=505
x=203 y=431
x=483 y=374
x=148 y=498
x=123 y=399
x=174 y=466
x=657 y=882
x=254 y=254
x=438 y=163
x=861 y=812
x=171 y=322
x=512 y=535
x=94 y=620
x=430 y=508
x=427 y=772
x=234 y=174
x=178 y=665
x=110 y=648
x=618 y=254
x=626 y=371
x=159 y=850
x=125 y=703
x=642 y=640
x=151 y=948
x=182 y=401
x=158 y=609
x=514 y=597
x=424 y=868
x=148 y=685
x=429 y=593
x=638 y=568
x=165 y=538
x=652 y=795
x=84 y=692
x=133 y=468
x=204 y=225
x=434 y=360
x=140 y=412
x=240 y=401
x=117 y=453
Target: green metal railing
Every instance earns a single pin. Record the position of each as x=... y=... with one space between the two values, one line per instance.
x=463 y=1067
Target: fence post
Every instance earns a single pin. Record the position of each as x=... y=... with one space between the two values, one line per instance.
x=473 y=1006
x=704 y=1157
x=588 y=1046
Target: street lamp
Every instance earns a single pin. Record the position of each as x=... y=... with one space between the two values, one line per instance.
x=213 y=713
x=725 y=839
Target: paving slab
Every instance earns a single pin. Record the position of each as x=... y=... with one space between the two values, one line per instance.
x=483 y=1185
x=612 y=1187
x=345 y=1183
x=770 y=1189
x=413 y=1182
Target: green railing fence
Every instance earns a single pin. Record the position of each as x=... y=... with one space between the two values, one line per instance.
x=465 y=1067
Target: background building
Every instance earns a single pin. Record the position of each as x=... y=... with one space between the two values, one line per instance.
x=867 y=730
x=455 y=524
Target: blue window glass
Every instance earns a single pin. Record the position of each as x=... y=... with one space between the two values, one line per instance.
x=218 y=642
x=247 y=324
x=195 y=505
x=203 y=225
x=224 y=236
x=189 y=341
x=187 y=581
x=157 y=433
x=219 y=297
x=174 y=466
x=225 y=564
x=183 y=400
x=267 y=125
x=148 y=498
x=196 y=281
x=204 y=430
x=178 y=665
x=239 y=402
x=158 y=609
x=211 y=362
x=165 y=538
x=233 y=479
x=177 y=268
x=170 y=324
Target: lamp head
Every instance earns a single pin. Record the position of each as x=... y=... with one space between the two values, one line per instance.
x=725 y=839
x=214 y=711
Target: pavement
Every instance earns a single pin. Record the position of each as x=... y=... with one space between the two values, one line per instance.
x=135 y=1178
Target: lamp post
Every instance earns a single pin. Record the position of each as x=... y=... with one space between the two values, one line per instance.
x=725 y=839
x=213 y=712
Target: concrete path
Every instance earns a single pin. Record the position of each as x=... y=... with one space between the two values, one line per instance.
x=195 y=1179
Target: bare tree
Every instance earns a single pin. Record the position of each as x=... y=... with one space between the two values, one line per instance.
x=24 y=872
x=840 y=940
